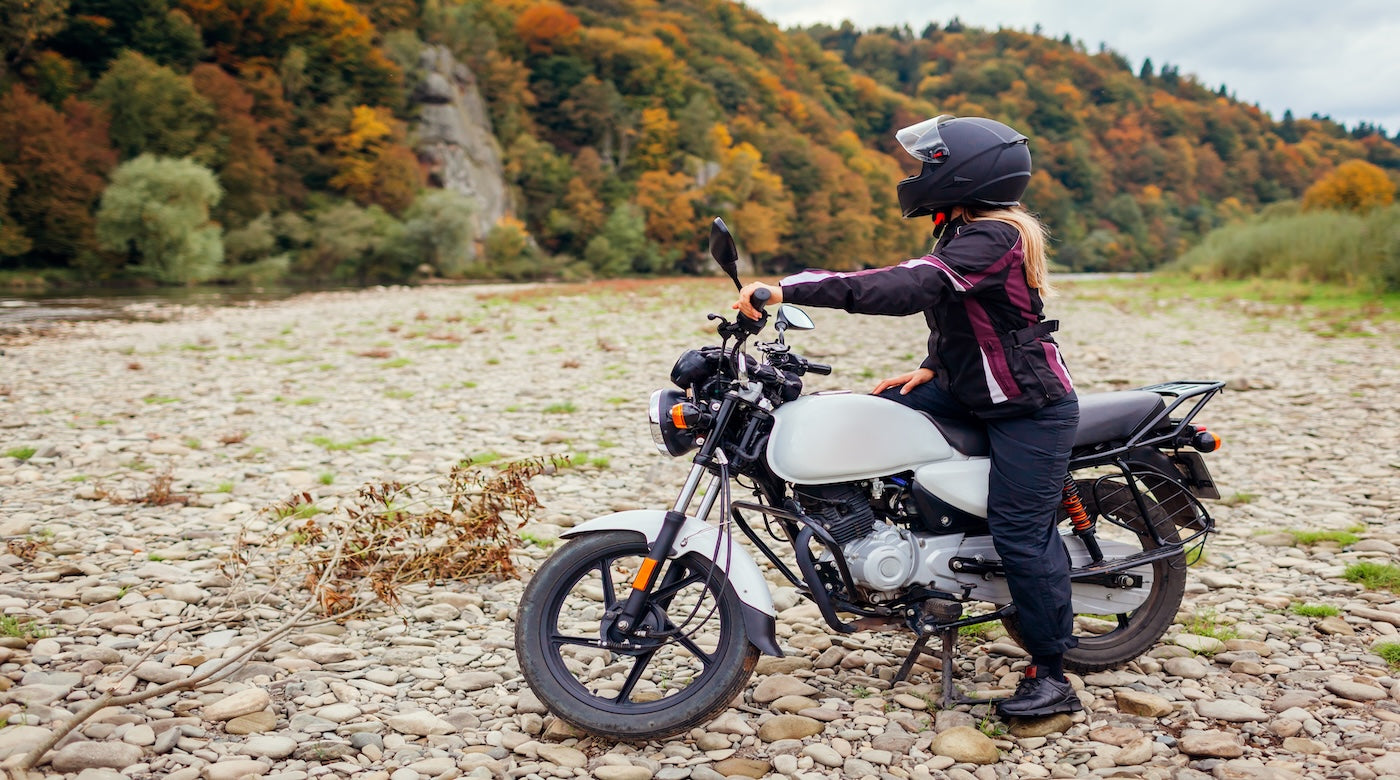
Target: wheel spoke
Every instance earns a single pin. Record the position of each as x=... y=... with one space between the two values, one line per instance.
x=667 y=590
x=609 y=595
x=638 y=666
x=705 y=658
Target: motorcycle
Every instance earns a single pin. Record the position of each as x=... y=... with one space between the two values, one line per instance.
x=647 y=623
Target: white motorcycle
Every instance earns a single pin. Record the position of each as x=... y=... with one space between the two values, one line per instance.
x=648 y=623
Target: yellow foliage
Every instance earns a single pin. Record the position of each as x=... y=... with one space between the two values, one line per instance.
x=1355 y=185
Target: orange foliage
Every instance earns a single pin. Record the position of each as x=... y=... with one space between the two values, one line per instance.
x=543 y=25
x=1355 y=185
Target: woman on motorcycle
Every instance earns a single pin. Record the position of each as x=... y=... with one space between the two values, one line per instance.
x=990 y=358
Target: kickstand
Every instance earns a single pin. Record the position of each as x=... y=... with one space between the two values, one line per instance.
x=951 y=694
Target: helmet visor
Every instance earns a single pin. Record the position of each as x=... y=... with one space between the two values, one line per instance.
x=923 y=141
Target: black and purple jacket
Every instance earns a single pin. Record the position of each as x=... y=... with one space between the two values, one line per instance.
x=989 y=344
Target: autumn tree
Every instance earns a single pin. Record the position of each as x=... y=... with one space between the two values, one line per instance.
x=156 y=213
x=57 y=164
x=1355 y=185
x=542 y=26
x=247 y=171
x=155 y=110
x=23 y=25
x=373 y=164
x=335 y=38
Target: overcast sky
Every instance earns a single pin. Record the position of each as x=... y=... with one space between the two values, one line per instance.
x=1335 y=57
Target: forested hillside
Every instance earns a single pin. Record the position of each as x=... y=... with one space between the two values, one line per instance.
x=185 y=140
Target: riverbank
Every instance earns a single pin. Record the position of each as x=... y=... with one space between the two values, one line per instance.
x=244 y=406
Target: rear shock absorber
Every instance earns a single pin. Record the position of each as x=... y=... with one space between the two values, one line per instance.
x=1079 y=519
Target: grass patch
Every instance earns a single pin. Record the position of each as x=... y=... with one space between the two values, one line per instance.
x=599 y=462
x=1390 y=651
x=298 y=511
x=395 y=363
x=309 y=400
x=544 y=543
x=482 y=459
x=161 y=399
x=1309 y=538
x=1207 y=623
x=224 y=487
x=326 y=478
x=1315 y=610
x=1238 y=499
x=340 y=446
x=197 y=348
x=1374 y=576
x=21 y=628
x=20 y=453
x=402 y=395
x=563 y=408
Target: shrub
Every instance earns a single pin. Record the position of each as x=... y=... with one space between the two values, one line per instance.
x=157 y=210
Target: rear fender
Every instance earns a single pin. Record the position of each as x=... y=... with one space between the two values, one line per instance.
x=699 y=537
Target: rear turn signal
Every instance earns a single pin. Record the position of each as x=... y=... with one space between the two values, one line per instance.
x=1205 y=441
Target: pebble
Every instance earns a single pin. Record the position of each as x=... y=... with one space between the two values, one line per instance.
x=965 y=745
x=1215 y=744
x=788 y=727
x=77 y=756
x=245 y=702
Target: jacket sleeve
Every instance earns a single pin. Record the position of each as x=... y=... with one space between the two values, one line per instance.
x=910 y=287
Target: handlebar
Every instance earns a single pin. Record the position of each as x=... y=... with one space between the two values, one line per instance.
x=760 y=298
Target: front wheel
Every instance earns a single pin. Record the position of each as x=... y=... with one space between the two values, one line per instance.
x=689 y=658
x=1110 y=640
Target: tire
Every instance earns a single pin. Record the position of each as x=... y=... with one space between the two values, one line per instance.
x=1106 y=644
x=667 y=688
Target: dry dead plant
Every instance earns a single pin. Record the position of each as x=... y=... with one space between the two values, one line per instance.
x=158 y=493
x=394 y=535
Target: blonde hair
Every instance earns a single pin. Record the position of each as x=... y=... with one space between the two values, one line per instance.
x=1033 y=239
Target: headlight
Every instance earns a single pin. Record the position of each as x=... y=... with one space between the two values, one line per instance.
x=669 y=438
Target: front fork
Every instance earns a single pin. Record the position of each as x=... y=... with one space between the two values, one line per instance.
x=635 y=605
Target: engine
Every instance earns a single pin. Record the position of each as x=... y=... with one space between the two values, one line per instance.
x=882 y=556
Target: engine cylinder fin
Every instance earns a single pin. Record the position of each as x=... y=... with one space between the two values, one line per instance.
x=843 y=510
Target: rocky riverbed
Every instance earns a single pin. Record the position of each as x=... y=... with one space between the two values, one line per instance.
x=1271 y=670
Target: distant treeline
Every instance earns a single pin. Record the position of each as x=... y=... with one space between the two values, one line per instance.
x=186 y=140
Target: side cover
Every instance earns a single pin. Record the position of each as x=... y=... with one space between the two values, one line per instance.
x=819 y=439
x=699 y=537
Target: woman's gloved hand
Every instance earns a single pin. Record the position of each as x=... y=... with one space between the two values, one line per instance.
x=909 y=381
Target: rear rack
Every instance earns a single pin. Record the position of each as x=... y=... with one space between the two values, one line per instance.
x=1154 y=431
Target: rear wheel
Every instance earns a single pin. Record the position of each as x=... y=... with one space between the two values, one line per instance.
x=1108 y=640
x=695 y=659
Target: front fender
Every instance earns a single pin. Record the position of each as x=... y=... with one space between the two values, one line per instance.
x=699 y=537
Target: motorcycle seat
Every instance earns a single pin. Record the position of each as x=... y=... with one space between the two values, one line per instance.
x=1110 y=416
x=1102 y=417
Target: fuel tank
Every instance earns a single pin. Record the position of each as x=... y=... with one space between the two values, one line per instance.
x=839 y=437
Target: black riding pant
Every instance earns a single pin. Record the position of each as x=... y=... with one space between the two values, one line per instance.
x=1030 y=455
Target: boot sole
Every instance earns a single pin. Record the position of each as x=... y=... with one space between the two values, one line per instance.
x=1062 y=709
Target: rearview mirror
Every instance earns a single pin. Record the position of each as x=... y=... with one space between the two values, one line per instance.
x=791 y=317
x=724 y=252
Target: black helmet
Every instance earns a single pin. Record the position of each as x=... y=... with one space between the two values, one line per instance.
x=967 y=162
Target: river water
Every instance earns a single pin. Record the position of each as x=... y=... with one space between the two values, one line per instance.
x=39 y=310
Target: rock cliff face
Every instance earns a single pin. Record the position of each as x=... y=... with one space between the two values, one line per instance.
x=454 y=136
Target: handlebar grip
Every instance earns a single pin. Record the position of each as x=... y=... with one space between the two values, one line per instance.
x=819 y=368
x=760 y=297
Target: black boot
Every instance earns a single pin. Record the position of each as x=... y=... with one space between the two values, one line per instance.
x=1038 y=696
